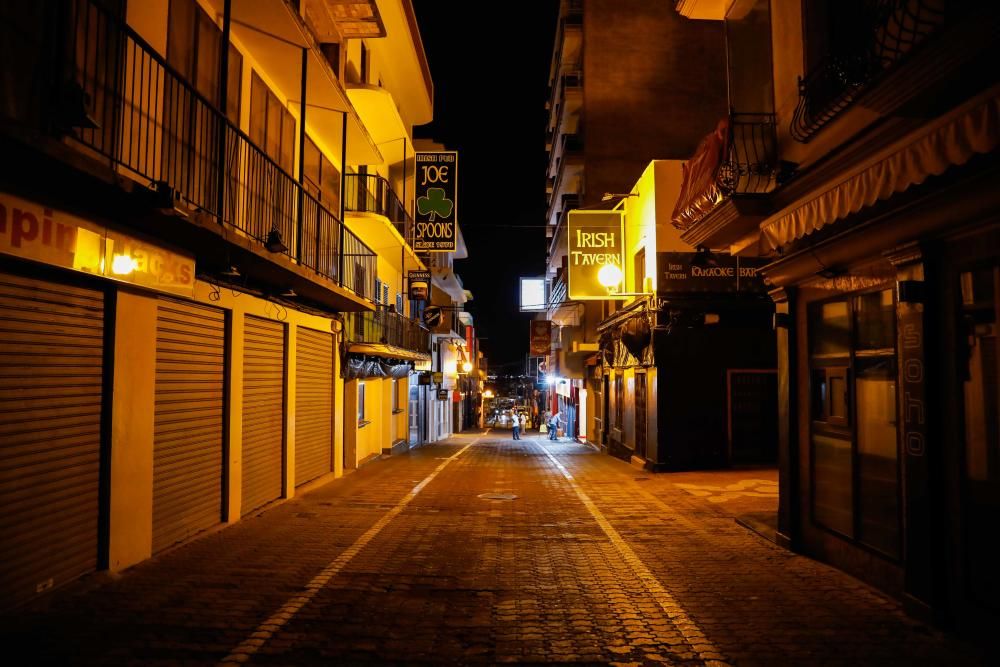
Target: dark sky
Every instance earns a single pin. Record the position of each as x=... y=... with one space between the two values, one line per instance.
x=490 y=73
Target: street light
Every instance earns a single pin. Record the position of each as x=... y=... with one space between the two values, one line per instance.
x=467 y=367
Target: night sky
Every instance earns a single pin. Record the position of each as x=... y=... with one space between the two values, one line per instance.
x=490 y=75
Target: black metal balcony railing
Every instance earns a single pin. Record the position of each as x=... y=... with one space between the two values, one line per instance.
x=882 y=33
x=370 y=193
x=739 y=158
x=386 y=327
x=116 y=97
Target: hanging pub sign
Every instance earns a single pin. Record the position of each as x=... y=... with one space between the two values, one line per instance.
x=541 y=337
x=419 y=285
x=435 y=225
x=718 y=273
x=595 y=243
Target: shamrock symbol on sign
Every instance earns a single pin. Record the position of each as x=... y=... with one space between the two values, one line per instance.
x=435 y=203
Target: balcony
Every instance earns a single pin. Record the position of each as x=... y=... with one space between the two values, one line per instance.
x=881 y=35
x=134 y=113
x=738 y=160
x=370 y=193
x=384 y=327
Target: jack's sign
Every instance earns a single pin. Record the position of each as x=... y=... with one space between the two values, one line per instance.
x=435 y=225
x=595 y=241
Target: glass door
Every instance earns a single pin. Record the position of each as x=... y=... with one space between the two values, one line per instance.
x=980 y=305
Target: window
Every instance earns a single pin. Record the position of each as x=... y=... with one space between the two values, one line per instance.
x=272 y=126
x=748 y=57
x=190 y=158
x=361 y=403
x=399 y=303
x=365 y=72
x=619 y=402
x=320 y=178
x=855 y=458
x=639 y=266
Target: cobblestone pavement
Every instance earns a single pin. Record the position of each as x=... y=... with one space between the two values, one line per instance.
x=511 y=552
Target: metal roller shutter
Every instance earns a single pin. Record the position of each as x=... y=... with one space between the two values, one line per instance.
x=51 y=377
x=188 y=424
x=263 y=411
x=313 y=405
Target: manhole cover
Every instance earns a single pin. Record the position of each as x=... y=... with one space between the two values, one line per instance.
x=497 y=496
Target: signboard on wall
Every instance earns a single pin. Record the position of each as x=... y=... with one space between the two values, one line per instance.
x=435 y=223
x=533 y=296
x=541 y=338
x=419 y=285
x=32 y=231
x=681 y=272
x=595 y=241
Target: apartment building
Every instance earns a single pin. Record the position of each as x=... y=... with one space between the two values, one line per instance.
x=616 y=73
x=873 y=200
x=204 y=224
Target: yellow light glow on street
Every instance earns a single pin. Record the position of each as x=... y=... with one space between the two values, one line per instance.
x=609 y=276
x=487 y=394
x=122 y=265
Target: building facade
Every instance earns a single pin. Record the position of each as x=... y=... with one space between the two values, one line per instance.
x=880 y=237
x=204 y=235
x=614 y=71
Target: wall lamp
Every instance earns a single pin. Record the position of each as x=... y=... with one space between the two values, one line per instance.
x=608 y=196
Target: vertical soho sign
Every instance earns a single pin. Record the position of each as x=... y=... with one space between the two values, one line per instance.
x=436 y=219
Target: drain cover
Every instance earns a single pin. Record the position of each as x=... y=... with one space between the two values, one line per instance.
x=497 y=496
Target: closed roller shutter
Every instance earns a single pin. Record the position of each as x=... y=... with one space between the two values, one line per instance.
x=51 y=375
x=187 y=444
x=263 y=411
x=313 y=405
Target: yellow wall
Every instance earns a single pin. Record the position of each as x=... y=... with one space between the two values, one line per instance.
x=133 y=408
x=132 y=430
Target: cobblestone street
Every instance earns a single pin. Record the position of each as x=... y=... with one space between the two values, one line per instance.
x=487 y=550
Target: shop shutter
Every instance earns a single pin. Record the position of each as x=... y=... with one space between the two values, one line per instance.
x=51 y=377
x=188 y=433
x=263 y=411
x=313 y=405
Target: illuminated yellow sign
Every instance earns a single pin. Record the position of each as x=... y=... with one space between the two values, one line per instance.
x=34 y=232
x=595 y=242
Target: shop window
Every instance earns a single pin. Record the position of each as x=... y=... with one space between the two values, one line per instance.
x=855 y=450
x=361 y=403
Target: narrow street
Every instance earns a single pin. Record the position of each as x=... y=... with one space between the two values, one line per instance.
x=480 y=549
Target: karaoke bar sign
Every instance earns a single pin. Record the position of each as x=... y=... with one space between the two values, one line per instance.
x=716 y=273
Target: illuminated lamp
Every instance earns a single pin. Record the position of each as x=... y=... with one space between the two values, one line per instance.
x=467 y=367
x=122 y=265
x=610 y=276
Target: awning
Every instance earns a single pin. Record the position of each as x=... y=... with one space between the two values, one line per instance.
x=387 y=351
x=949 y=141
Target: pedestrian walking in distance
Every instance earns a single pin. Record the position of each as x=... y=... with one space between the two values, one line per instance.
x=553 y=425
x=516 y=425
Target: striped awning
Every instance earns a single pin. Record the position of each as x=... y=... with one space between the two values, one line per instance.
x=951 y=140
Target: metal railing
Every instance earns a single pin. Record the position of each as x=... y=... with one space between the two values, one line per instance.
x=115 y=97
x=370 y=193
x=387 y=327
x=751 y=163
x=882 y=33
x=747 y=164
